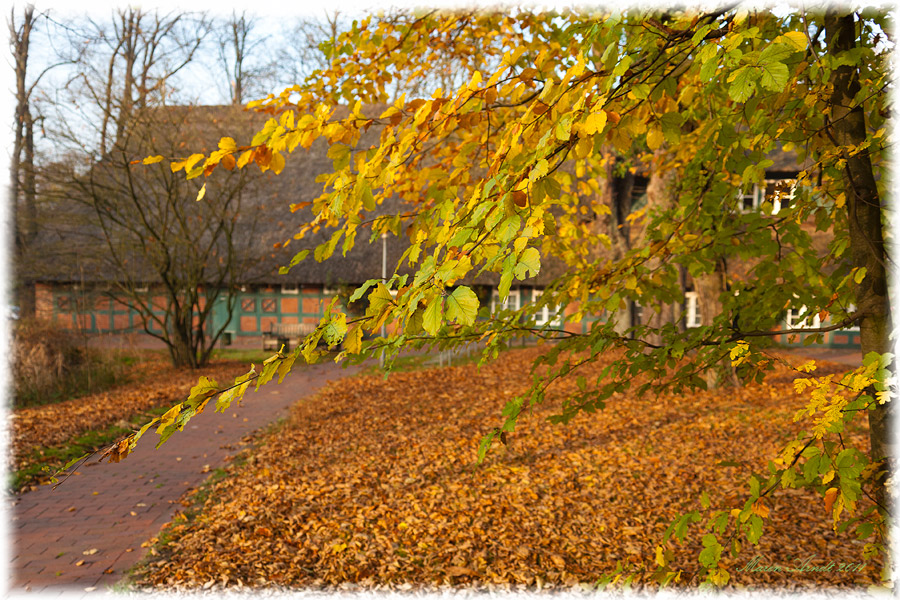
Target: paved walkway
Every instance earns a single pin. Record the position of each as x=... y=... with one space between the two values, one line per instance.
x=848 y=357
x=84 y=535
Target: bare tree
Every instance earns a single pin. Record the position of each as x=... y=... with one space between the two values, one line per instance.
x=238 y=53
x=22 y=191
x=310 y=44
x=121 y=66
x=156 y=249
x=164 y=254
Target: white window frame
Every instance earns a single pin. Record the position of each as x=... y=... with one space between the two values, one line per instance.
x=514 y=298
x=757 y=195
x=793 y=321
x=851 y=308
x=776 y=202
x=551 y=315
x=692 y=316
x=754 y=197
x=291 y=289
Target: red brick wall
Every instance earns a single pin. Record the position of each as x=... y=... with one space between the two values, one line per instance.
x=310 y=305
x=120 y=321
x=43 y=296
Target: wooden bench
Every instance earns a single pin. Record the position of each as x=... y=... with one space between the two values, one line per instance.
x=286 y=334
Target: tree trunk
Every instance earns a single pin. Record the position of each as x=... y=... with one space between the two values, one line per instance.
x=615 y=192
x=659 y=198
x=847 y=129
x=709 y=288
x=22 y=175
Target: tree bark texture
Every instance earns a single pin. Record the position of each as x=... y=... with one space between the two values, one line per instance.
x=847 y=130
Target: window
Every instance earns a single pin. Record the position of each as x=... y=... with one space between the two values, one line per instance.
x=780 y=192
x=547 y=314
x=800 y=319
x=290 y=288
x=850 y=310
x=750 y=199
x=511 y=302
x=692 y=317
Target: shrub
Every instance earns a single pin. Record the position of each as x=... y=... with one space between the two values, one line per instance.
x=51 y=364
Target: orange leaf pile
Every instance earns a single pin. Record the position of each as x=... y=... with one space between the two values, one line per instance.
x=372 y=484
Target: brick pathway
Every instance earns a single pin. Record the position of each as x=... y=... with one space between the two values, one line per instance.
x=85 y=534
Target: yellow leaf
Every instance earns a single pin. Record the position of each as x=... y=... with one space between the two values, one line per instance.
x=193 y=160
x=595 y=122
x=277 y=163
x=201 y=193
x=655 y=138
x=830 y=497
x=797 y=39
x=476 y=79
x=719 y=577
x=152 y=159
x=227 y=143
x=539 y=170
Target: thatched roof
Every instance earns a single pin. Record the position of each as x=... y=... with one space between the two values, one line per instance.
x=71 y=246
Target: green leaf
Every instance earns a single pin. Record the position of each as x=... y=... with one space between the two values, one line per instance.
x=236 y=392
x=531 y=261
x=358 y=293
x=462 y=306
x=270 y=367
x=335 y=329
x=297 y=259
x=431 y=320
x=505 y=283
x=754 y=529
x=368 y=200
x=774 y=76
x=205 y=387
x=353 y=339
x=285 y=366
x=708 y=70
x=712 y=551
x=340 y=156
x=743 y=85
x=775 y=53
x=379 y=300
